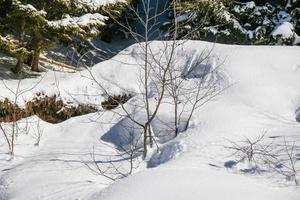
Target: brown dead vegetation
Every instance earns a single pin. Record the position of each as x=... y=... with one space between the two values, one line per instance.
x=49 y=108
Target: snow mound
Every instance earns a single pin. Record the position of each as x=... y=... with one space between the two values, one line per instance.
x=285 y=30
x=263 y=96
x=190 y=183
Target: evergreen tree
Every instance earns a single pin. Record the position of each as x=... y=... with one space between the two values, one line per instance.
x=37 y=25
x=240 y=22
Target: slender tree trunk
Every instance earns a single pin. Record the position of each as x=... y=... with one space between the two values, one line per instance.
x=190 y=116
x=175 y=92
x=13 y=132
x=37 y=52
x=20 y=62
x=19 y=66
x=145 y=140
x=147 y=132
x=150 y=136
x=176 y=116
x=187 y=123
x=35 y=61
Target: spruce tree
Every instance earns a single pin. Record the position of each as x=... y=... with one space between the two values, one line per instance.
x=38 y=25
x=239 y=22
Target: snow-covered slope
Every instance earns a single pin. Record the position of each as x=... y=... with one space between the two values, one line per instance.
x=264 y=96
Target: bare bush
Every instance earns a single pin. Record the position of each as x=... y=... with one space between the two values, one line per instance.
x=280 y=157
x=195 y=80
x=17 y=92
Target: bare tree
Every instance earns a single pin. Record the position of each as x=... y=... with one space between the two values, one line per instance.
x=16 y=114
x=154 y=66
x=158 y=73
x=10 y=137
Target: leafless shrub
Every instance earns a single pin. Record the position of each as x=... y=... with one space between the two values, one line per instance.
x=287 y=162
x=194 y=82
x=280 y=157
x=17 y=92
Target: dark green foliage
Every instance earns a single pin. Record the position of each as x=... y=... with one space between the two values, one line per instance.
x=5 y=6
x=296 y=18
x=237 y=22
x=36 y=28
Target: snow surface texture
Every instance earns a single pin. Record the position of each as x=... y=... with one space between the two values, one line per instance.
x=264 y=95
x=96 y=3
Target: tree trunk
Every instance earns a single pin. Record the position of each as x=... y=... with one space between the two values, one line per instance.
x=176 y=118
x=145 y=141
x=35 y=61
x=150 y=136
x=37 y=51
x=20 y=62
x=18 y=67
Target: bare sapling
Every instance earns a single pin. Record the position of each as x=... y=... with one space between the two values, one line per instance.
x=17 y=92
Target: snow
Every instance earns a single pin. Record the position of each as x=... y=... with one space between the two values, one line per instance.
x=297 y=40
x=285 y=30
x=192 y=183
x=79 y=22
x=214 y=30
x=95 y=4
x=30 y=9
x=84 y=21
x=245 y=7
x=267 y=21
x=227 y=16
x=67 y=86
x=263 y=95
x=282 y=17
x=186 y=16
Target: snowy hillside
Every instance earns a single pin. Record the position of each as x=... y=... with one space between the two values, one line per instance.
x=262 y=98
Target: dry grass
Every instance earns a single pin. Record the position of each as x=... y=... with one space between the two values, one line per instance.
x=49 y=108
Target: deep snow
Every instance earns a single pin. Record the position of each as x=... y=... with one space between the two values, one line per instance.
x=264 y=95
